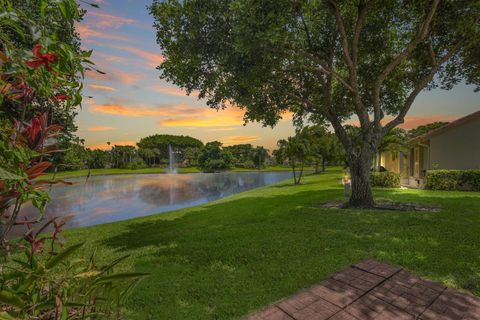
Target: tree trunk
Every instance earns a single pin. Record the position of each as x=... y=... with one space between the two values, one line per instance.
x=301 y=173
x=294 y=174
x=323 y=164
x=361 y=196
x=317 y=167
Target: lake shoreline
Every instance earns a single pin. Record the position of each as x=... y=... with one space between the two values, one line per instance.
x=108 y=172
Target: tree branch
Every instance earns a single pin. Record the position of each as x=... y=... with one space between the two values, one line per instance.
x=420 y=36
x=351 y=62
x=326 y=69
x=362 y=14
x=343 y=33
x=421 y=84
x=307 y=32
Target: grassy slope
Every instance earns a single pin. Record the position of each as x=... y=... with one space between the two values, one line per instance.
x=225 y=259
x=94 y=172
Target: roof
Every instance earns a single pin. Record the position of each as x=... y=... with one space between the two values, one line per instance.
x=451 y=125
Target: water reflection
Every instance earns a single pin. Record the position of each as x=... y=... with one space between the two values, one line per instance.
x=111 y=198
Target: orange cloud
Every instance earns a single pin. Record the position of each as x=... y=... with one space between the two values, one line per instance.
x=175 y=91
x=222 y=129
x=228 y=140
x=195 y=122
x=104 y=20
x=152 y=59
x=86 y=32
x=100 y=87
x=209 y=118
x=108 y=57
x=181 y=115
x=105 y=146
x=412 y=122
x=140 y=111
x=100 y=128
x=127 y=77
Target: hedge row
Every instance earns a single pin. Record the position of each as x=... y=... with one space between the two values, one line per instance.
x=385 y=179
x=462 y=180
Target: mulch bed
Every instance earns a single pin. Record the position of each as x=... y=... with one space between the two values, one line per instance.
x=384 y=205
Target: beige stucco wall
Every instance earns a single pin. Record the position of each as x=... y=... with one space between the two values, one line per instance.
x=457 y=148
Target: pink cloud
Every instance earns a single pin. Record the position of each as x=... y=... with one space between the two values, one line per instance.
x=115 y=75
x=100 y=87
x=108 y=57
x=152 y=59
x=86 y=32
x=141 y=111
x=104 y=20
x=175 y=91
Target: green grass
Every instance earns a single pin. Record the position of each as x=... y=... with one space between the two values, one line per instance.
x=225 y=259
x=94 y=172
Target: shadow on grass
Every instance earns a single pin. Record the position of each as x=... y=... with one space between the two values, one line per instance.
x=225 y=259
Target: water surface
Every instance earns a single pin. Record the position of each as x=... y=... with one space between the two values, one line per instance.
x=110 y=198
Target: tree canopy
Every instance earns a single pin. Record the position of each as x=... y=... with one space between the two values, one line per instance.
x=214 y=158
x=161 y=143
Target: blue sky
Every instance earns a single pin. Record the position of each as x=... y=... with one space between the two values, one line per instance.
x=131 y=102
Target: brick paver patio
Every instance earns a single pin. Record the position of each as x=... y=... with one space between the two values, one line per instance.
x=375 y=290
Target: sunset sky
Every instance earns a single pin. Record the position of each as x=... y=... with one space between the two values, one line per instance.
x=131 y=102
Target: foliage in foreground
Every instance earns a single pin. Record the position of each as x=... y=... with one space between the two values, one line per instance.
x=39 y=278
x=450 y=180
x=48 y=282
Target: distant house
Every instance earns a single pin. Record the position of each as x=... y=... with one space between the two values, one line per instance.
x=453 y=146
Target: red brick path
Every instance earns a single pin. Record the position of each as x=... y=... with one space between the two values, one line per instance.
x=375 y=290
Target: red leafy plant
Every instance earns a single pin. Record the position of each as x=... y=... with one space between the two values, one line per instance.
x=39 y=277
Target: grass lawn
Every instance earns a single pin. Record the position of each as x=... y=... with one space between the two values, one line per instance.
x=227 y=258
x=94 y=172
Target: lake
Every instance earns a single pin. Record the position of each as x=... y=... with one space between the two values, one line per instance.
x=110 y=198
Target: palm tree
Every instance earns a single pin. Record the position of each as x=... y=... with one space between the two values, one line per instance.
x=295 y=150
x=259 y=155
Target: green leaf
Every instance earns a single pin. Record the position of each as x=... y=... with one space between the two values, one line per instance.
x=10 y=298
x=43 y=6
x=113 y=263
x=122 y=276
x=62 y=256
x=5 y=175
x=6 y=316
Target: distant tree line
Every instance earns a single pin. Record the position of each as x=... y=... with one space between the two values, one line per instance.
x=153 y=151
x=312 y=146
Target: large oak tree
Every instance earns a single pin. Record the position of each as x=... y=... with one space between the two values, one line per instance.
x=322 y=60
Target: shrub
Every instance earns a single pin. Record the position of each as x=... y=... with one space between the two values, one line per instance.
x=136 y=163
x=462 y=180
x=385 y=179
x=46 y=283
x=214 y=165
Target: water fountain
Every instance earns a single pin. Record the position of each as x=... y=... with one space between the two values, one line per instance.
x=171 y=160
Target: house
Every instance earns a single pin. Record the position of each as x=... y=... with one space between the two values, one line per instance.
x=454 y=146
